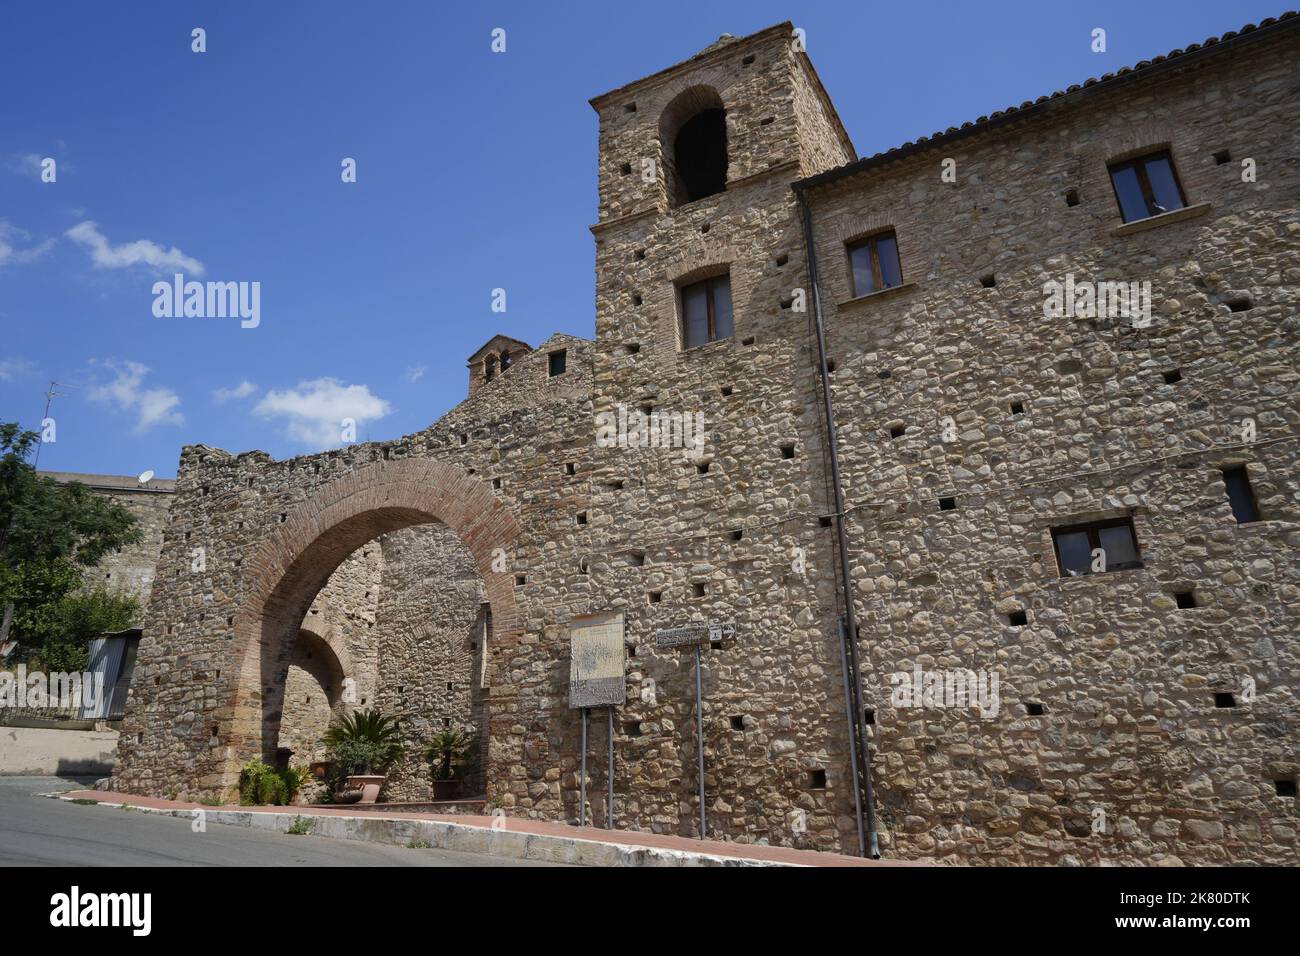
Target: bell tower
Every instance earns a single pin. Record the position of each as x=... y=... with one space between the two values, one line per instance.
x=700 y=272
x=696 y=163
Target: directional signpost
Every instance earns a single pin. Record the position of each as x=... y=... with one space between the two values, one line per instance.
x=694 y=636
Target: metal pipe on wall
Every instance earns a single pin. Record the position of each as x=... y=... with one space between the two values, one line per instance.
x=864 y=797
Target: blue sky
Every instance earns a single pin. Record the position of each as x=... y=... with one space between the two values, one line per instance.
x=475 y=171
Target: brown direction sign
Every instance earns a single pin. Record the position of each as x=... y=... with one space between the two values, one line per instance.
x=690 y=634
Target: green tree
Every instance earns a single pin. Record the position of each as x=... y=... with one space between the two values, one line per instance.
x=41 y=518
x=62 y=629
x=49 y=532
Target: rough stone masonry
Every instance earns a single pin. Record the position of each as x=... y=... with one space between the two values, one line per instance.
x=1146 y=707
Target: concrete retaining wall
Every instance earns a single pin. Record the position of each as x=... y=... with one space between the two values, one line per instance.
x=39 y=751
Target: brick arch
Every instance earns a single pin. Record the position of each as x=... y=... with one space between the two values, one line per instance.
x=329 y=639
x=683 y=107
x=298 y=556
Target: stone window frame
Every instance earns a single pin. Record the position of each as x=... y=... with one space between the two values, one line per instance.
x=1093 y=528
x=1256 y=471
x=1049 y=573
x=695 y=262
x=1130 y=157
x=691 y=276
x=871 y=237
x=674 y=96
x=685 y=105
x=852 y=229
x=1147 y=139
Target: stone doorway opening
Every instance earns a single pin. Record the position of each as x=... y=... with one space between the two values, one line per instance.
x=408 y=613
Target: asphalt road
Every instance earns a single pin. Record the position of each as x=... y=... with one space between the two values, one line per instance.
x=38 y=831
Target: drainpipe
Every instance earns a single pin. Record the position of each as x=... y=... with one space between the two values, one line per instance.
x=859 y=752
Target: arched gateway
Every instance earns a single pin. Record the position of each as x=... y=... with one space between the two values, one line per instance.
x=283 y=575
x=298 y=557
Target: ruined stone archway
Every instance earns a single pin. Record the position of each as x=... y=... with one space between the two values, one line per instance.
x=313 y=692
x=296 y=559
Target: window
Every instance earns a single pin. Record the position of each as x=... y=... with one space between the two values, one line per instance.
x=1244 y=508
x=506 y=360
x=558 y=362
x=874 y=261
x=1115 y=537
x=1146 y=186
x=489 y=368
x=706 y=312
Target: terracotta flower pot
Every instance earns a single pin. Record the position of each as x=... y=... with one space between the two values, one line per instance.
x=368 y=784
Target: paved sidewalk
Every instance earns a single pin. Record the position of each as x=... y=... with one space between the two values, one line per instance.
x=553 y=840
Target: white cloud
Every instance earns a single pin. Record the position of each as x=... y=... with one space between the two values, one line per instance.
x=25 y=164
x=416 y=372
x=29 y=164
x=10 y=253
x=244 y=389
x=314 y=411
x=141 y=252
x=151 y=406
x=12 y=368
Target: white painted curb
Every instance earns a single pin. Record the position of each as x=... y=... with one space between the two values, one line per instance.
x=461 y=837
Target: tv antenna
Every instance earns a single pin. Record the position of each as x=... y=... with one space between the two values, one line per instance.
x=50 y=395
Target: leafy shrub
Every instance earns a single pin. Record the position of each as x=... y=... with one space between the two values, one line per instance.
x=450 y=754
x=260 y=785
x=300 y=827
x=364 y=742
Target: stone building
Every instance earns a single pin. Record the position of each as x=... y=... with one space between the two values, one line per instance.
x=130 y=570
x=998 y=553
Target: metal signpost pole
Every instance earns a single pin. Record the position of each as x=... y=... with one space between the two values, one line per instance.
x=609 y=773
x=699 y=735
x=582 y=782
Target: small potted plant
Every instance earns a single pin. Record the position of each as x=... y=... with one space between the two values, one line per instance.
x=450 y=756
x=363 y=745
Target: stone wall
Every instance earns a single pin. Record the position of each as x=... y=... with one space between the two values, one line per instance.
x=431 y=633
x=129 y=571
x=1108 y=744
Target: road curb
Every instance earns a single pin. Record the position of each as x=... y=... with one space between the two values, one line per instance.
x=463 y=838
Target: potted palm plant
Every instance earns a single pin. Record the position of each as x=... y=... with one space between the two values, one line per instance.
x=450 y=756
x=363 y=745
